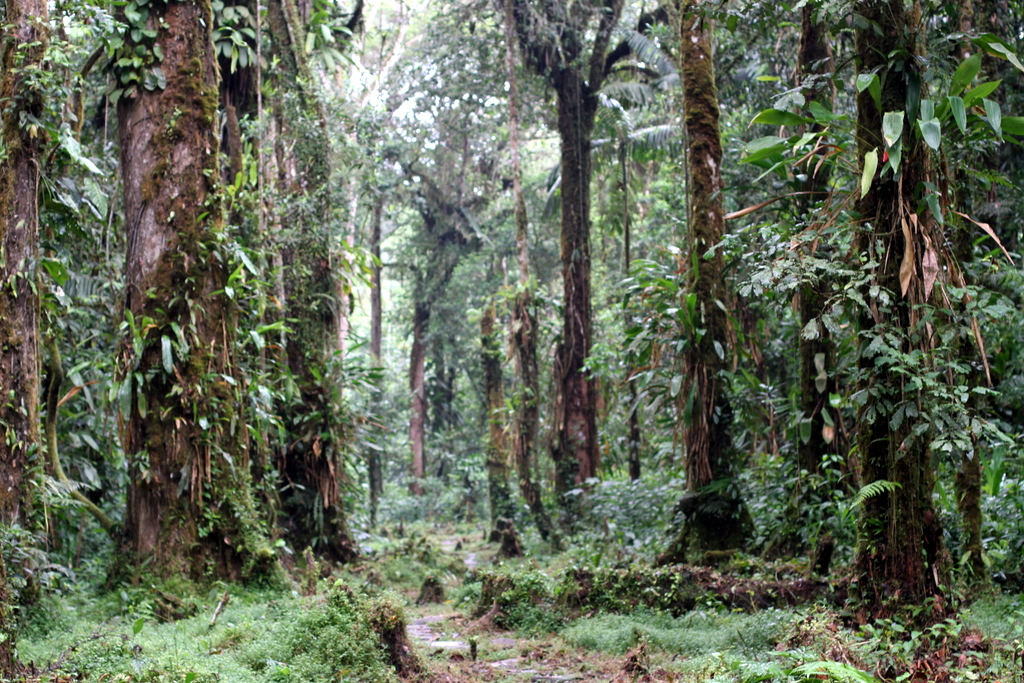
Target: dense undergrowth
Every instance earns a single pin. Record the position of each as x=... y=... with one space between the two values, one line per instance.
x=584 y=612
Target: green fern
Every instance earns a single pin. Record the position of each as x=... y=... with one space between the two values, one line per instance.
x=875 y=488
x=844 y=673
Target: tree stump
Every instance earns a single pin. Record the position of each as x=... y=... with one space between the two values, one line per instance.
x=509 y=539
x=431 y=592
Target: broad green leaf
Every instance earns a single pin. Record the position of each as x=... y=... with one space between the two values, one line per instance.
x=167 y=355
x=774 y=117
x=895 y=157
x=763 y=148
x=932 y=132
x=892 y=127
x=995 y=117
x=1014 y=125
x=927 y=110
x=137 y=626
x=871 y=83
x=933 y=204
x=56 y=270
x=805 y=430
x=868 y=175
x=964 y=74
x=677 y=382
x=983 y=90
x=820 y=113
x=956 y=105
x=992 y=44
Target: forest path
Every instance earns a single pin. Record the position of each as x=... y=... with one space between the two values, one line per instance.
x=443 y=638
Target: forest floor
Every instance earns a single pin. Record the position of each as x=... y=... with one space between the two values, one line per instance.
x=290 y=635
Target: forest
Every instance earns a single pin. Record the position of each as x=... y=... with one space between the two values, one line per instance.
x=511 y=340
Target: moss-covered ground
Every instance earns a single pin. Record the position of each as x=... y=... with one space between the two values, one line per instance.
x=499 y=620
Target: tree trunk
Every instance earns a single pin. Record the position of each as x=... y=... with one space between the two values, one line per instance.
x=315 y=301
x=523 y=325
x=7 y=633
x=21 y=50
x=899 y=556
x=417 y=387
x=190 y=509
x=554 y=36
x=373 y=461
x=633 y=434
x=969 y=477
x=817 y=354
x=497 y=449
x=575 y=449
x=714 y=520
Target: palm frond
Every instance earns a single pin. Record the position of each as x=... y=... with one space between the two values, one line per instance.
x=632 y=92
x=648 y=52
x=665 y=137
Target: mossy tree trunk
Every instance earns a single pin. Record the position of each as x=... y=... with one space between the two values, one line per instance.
x=969 y=477
x=190 y=508
x=523 y=324
x=715 y=520
x=312 y=462
x=899 y=556
x=817 y=351
x=497 y=446
x=22 y=47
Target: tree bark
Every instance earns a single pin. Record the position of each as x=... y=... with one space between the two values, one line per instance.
x=575 y=449
x=375 y=476
x=523 y=324
x=715 y=520
x=497 y=447
x=417 y=387
x=315 y=301
x=190 y=509
x=899 y=557
x=817 y=355
x=21 y=52
x=576 y=78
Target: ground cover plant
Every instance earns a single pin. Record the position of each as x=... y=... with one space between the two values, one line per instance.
x=509 y=340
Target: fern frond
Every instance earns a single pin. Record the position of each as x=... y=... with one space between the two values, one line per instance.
x=836 y=671
x=875 y=488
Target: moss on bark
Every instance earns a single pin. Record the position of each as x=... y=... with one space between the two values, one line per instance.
x=190 y=508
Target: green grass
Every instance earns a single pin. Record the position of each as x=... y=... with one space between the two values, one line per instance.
x=691 y=635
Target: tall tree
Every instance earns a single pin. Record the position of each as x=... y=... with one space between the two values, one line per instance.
x=715 y=517
x=524 y=322
x=899 y=558
x=23 y=46
x=568 y=44
x=311 y=463
x=190 y=507
x=22 y=49
x=497 y=449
